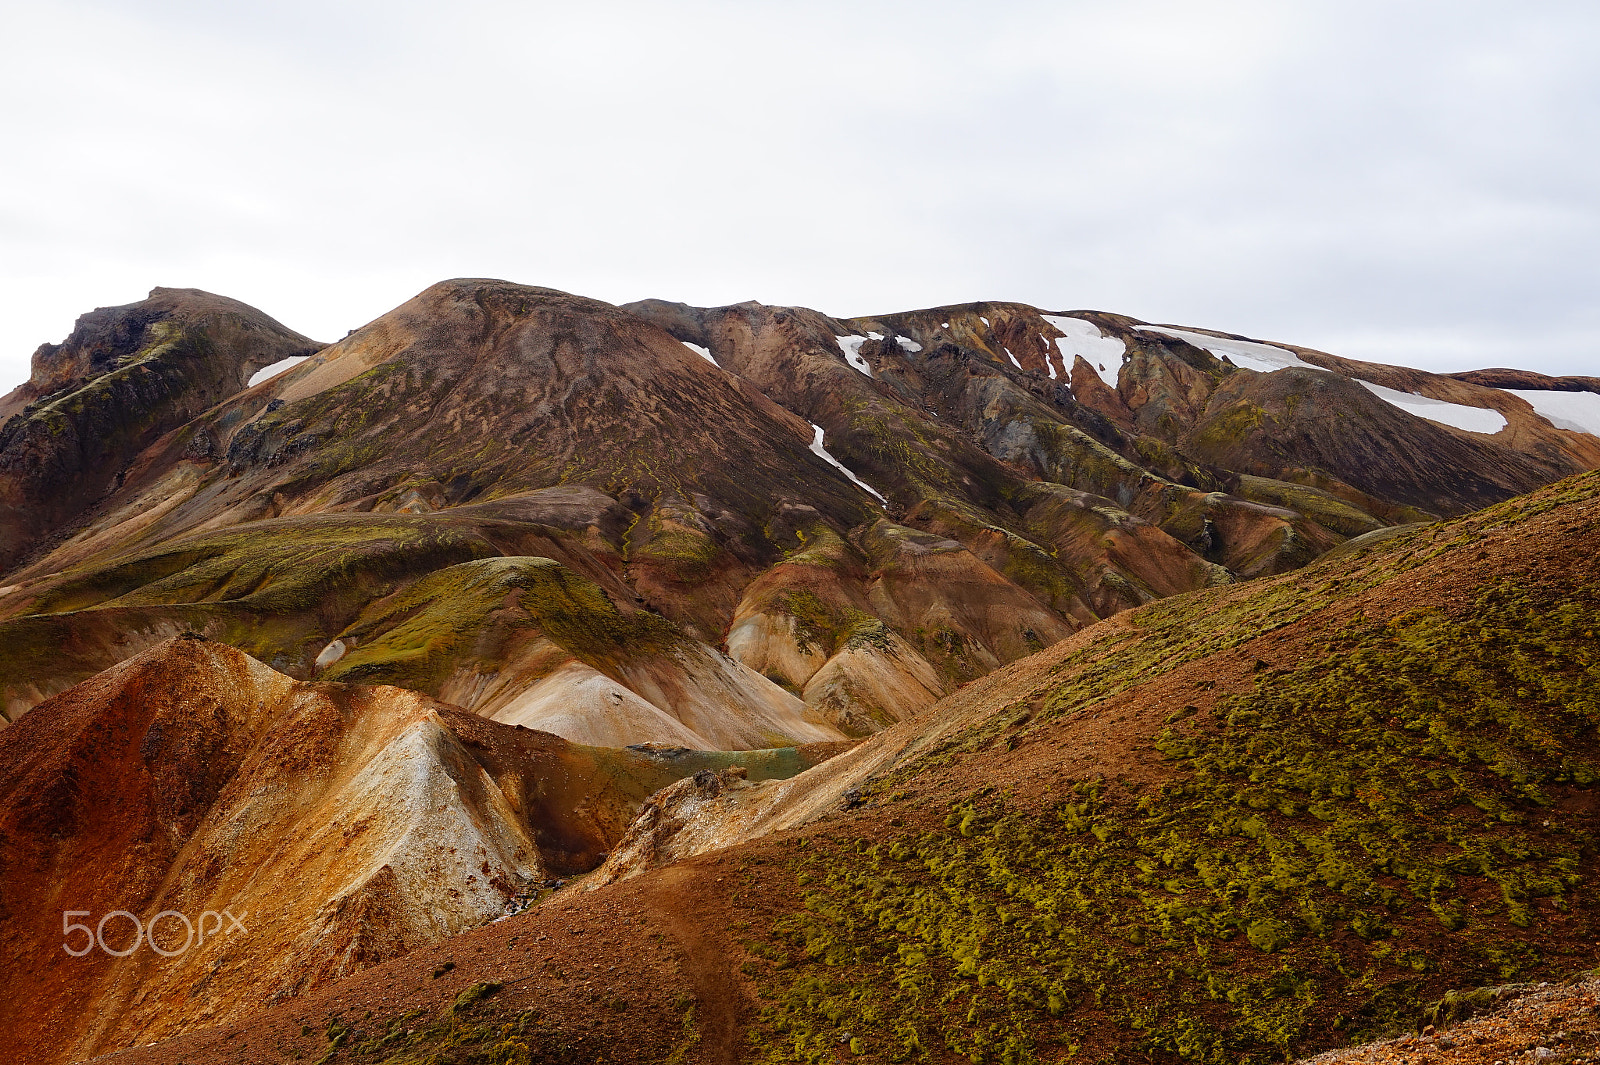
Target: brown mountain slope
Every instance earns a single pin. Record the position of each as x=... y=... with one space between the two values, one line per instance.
x=866 y=513
x=124 y=376
x=340 y=825
x=1234 y=825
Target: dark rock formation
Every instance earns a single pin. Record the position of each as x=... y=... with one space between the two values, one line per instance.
x=125 y=376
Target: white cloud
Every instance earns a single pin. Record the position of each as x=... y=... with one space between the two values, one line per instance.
x=1392 y=182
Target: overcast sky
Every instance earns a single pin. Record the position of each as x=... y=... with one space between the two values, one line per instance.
x=1407 y=182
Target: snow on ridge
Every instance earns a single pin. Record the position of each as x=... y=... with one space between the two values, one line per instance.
x=1457 y=415
x=1577 y=411
x=704 y=353
x=1247 y=354
x=851 y=346
x=1083 y=337
x=269 y=372
x=822 y=453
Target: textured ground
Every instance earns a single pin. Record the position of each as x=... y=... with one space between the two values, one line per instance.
x=1533 y=1023
x=1027 y=872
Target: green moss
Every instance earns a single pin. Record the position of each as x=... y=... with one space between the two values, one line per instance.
x=691 y=1033
x=820 y=546
x=1231 y=426
x=417 y=636
x=1079 y=461
x=895 y=440
x=1326 y=510
x=1330 y=847
x=819 y=625
x=473 y=995
x=277 y=589
x=677 y=542
x=464 y=1034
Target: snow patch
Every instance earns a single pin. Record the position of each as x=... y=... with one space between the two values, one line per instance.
x=1459 y=416
x=822 y=453
x=1577 y=411
x=1247 y=354
x=851 y=346
x=984 y=320
x=704 y=353
x=1084 y=338
x=1048 y=365
x=910 y=347
x=331 y=654
x=269 y=372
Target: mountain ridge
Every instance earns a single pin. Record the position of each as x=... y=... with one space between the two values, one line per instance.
x=1018 y=484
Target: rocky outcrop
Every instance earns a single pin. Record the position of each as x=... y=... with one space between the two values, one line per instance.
x=125 y=376
x=666 y=826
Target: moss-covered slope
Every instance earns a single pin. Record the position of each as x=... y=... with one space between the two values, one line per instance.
x=1235 y=825
x=1289 y=856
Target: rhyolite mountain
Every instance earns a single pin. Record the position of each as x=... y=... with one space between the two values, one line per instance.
x=121 y=379
x=716 y=527
x=341 y=825
x=377 y=641
x=1239 y=824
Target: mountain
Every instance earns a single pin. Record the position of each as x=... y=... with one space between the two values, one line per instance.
x=340 y=825
x=121 y=379
x=867 y=513
x=1157 y=687
x=1239 y=824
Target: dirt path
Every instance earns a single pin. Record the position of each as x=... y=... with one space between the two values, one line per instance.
x=683 y=910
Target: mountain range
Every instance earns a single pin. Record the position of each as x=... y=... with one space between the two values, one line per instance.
x=982 y=680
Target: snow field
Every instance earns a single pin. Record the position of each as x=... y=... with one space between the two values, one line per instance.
x=1577 y=411
x=851 y=346
x=704 y=353
x=1084 y=338
x=1246 y=354
x=1457 y=415
x=266 y=373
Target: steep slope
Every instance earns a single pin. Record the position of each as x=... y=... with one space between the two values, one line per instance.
x=122 y=378
x=825 y=524
x=1235 y=825
x=340 y=826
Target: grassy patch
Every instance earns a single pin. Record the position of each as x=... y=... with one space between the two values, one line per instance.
x=464 y=1034
x=417 y=636
x=1334 y=848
